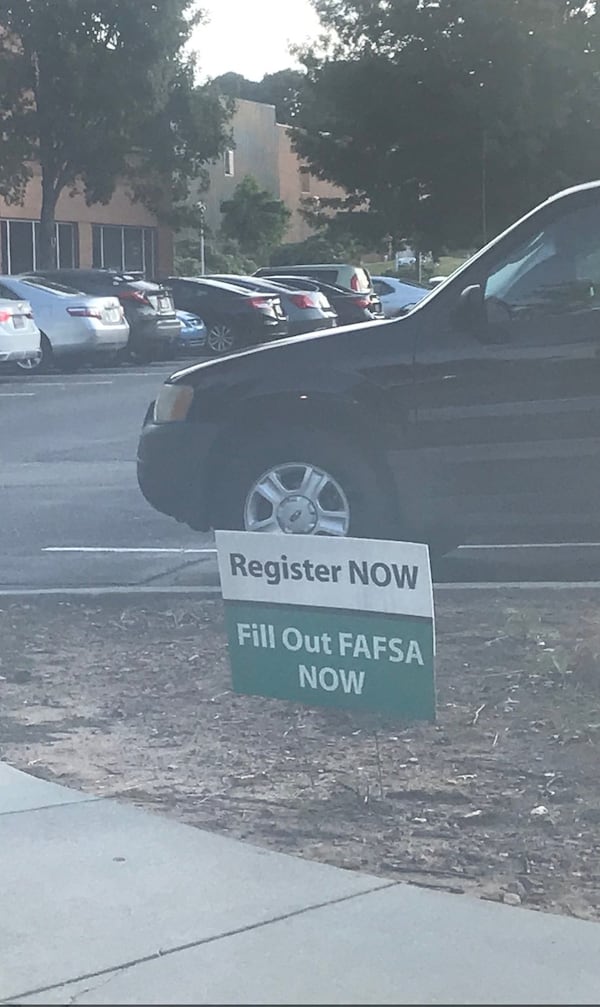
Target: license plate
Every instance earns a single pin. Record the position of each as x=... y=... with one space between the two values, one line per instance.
x=19 y=321
x=164 y=304
x=278 y=310
x=112 y=315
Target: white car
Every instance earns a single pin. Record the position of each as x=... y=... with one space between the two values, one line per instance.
x=397 y=295
x=19 y=335
x=74 y=327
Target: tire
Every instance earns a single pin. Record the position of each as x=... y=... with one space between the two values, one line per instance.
x=221 y=338
x=325 y=489
x=41 y=366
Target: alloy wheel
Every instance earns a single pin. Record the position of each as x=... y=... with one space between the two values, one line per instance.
x=220 y=338
x=297 y=498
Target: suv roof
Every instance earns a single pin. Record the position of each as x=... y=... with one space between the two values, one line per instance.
x=354 y=278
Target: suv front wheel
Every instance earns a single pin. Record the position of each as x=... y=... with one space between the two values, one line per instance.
x=303 y=484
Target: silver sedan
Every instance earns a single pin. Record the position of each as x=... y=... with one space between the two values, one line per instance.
x=19 y=335
x=75 y=327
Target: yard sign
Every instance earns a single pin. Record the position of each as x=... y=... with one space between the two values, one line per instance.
x=330 y=621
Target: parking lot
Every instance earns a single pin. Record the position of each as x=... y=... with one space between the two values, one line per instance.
x=73 y=516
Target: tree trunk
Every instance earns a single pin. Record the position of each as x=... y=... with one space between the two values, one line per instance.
x=46 y=250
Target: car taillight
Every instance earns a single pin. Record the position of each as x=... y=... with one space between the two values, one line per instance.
x=354 y=283
x=361 y=302
x=85 y=312
x=134 y=295
x=261 y=302
x=302 y=300
x=5 y=316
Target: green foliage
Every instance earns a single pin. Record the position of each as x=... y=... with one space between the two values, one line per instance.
x=317 y=248
x=94 y=90
x=254 y=218
x=282 y=89
x=444 y=121
x=221 y=256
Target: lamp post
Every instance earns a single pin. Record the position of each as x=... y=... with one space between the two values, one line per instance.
x=201 y=207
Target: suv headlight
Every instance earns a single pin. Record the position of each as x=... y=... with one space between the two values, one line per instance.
x=173 y=403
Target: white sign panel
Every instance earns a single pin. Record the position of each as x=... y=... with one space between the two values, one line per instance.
x=364 y=575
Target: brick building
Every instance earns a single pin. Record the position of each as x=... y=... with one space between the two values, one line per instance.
x=121 y=234
x=262 y=147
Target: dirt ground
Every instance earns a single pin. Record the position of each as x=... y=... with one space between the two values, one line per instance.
x=500 y=798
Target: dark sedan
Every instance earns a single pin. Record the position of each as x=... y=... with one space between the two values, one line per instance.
x=308 y=310
x=349 y=307
x=234 y=317
x=476 y=414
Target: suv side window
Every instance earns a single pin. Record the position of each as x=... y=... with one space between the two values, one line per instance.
x=548 y=288
x=381 y=288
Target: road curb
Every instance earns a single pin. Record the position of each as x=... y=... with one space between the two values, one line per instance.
x=107 y=592
x=214 y=590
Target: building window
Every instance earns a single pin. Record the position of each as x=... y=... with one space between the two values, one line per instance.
x=20 y=243
x=305 y=180
x=127 y=248
x=229 y=163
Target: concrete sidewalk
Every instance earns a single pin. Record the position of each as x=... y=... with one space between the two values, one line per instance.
x=101 y=903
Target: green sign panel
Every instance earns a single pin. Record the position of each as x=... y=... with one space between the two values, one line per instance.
x=372 y=651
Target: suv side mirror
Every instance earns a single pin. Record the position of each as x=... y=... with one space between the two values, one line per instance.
x=486 y=319
x=470 y=311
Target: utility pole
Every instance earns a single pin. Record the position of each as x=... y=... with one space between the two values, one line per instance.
x=201 y=207
x=484 y=224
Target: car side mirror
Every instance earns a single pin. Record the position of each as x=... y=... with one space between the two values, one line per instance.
x=470 y=311
x=486 y=319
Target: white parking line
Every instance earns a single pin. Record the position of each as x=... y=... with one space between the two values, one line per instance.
x=120 y=550
x=62 y=384
x=526 y=585
x=533 y=545
x=17 y=395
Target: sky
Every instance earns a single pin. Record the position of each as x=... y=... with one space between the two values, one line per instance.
x=251 y=37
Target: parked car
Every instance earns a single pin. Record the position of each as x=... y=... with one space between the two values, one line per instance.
x=74 y=327
x=234 y=317
x=307 y=308
x=19 y=335
x=192 y=336
x=149 y=310
x=476 y=414
x=350 y=307
x=397 y=295
x=340 y=274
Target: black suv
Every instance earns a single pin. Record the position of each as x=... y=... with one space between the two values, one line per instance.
x=477 y=414
x=234 y=317
x=153 y=325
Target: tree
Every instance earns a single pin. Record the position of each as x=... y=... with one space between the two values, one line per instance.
x=445 y=120
x=282 y=89
x=94 y=90
x=254 y=218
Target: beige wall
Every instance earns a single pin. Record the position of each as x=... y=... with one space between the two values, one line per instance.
x=291 y=183
x=262 y=149
x=254 y=153
x=121 y=210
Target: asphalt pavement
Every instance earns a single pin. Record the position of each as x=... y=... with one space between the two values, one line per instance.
x=73 y=515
